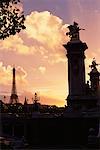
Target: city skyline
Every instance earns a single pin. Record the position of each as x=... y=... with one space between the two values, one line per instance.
x=37 y=52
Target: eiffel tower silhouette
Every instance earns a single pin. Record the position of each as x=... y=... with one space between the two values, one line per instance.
x=14 y=96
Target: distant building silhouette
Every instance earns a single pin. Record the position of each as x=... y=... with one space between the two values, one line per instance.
x=14 y=96
x=25 y=102
x=36 y=105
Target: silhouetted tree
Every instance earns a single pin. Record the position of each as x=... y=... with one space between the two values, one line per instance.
x=11 y=18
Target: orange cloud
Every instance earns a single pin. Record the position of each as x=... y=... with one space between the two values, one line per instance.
x=42 y=69
x=45 y=28
x=6 y=77
x=48 y=31
x=46 y=34
x=5 y=74
x=14 y=44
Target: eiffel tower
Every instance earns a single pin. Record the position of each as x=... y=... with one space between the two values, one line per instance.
x=14 y=96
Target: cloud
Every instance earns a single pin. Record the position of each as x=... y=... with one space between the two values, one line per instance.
x=44 y=34
x=14 y=44
x=6 y=77
x=42 y=69
x=45 y=28
x=48 y=31
x=42 y=41
x=5 y=74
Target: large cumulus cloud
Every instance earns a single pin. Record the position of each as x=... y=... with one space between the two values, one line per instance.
x=44 y=34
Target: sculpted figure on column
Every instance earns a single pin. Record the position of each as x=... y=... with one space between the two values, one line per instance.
x=74 y=31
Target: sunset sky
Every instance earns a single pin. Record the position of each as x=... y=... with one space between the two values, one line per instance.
x=37 y=52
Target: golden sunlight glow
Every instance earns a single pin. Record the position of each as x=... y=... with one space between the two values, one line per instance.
x=41 y=58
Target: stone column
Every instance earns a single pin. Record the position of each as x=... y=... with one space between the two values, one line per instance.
x=76 y=69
